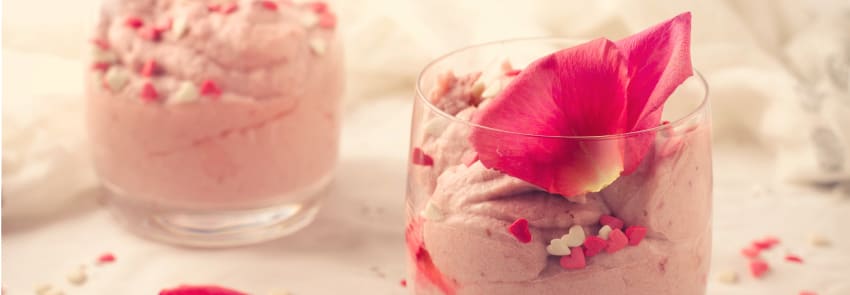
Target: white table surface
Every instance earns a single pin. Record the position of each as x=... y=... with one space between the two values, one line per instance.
x=356 y=244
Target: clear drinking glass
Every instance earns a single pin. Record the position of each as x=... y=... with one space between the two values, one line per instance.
x=242 y=161
x=459 y=211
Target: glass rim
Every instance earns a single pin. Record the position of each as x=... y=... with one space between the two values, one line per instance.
x=420 y=95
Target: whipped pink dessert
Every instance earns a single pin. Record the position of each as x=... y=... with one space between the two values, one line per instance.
x=215 y=104
x=607 y=203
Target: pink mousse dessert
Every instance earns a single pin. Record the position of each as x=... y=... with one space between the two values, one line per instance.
x=560 y=176
x=215 y=107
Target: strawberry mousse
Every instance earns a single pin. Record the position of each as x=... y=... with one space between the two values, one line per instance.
x=531 y=189
x=215 y=105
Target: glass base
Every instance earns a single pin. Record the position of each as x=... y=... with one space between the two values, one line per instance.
x=214 y=228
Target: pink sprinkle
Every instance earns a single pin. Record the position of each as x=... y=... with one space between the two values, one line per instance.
x=593 y=245
x=617 y=240
x=793 y=258
x=404 y=283
x=469 y=158
x=150 y=33
x=149 y=92
x=520 y=230
x=166 y=26
x=270 y=5
x=214 y=7
x=318 y=7
x=751 y=252
x=758 y=268
x=106 y=258
x=635 y=234
x=209 y=88
x=575 y=260
x=766 y=243
x=149 y=68
x=808 y=293
x=200 y=290
x=100 y=66
x=512 y=73
x=134 y=22
x=100 y=43
x=613 y=222
x=327 y=20
x=229 y=8
x=421 y=158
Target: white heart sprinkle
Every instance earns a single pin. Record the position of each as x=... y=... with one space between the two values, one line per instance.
x=77 y=276
x=727 y=277
x=309 y=19
x=819 y=240
x=186 y=92
x=604 y=232
x=178 y=27
x=477 y=89
x=432 y=212
x=43 y=289
x=575 y=237
x=318 y=46
x=104 y=56
x=558 y=247
x=116 y=78
x=506 y=66
x=436 y=126
x=492 y=88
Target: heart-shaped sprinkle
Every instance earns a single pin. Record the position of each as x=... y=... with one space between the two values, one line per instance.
x=327 y=20
x=575 y=237
x=819 y=240
x=436 y=126
x=750 y=252
x=214 y=7
x=149 y=92
x=727 y=277
x=104 y=56
x=165 y=26
x=318 y=46
x=268 y=4
x=186 y=92
x=432 y=212
x=635 y=234
x=309 y=20
x=793 y=258
x=106 y=258
x=593 y=245
x=519 y=229
x=178 y=27
x=115 y=79
x=134 y=22
x=575 y=260
x=557 y=247
x=149 y=68
x=318 y=7
x=421 y=158
x=758 y=268
x=209 y=88
x=100 y=43
x=613 y=222
x=229 y=8
x=150 y=34
x=766 y=243
x=604 y=232
x=617 y=240
x=100 y=66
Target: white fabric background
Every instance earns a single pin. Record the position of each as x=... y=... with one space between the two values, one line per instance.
x=763 y=60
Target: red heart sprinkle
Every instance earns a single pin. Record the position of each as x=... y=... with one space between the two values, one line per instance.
x=270 y=5
x=404 y=283
x=100 y=66
x=150 y=34
x=520 y=230
x=808 y=293
x=149 y=68
x=200 y=290
x=149 y=92
x=318 y=7
x=134 y=22
x=575 y=260
x=766 y=243
x=751 y=252
x=421 y=158
x=214 y=7
x=209 y=88
x=106 y=258
x=616 y=240
x=758 y=268
x=635 y=234
x=166 y=26
x=100 y=43
x=613 y=222
x=593 y=245
x=512 y=73
x=327 y=20
x=793 y=258
x=229 y=8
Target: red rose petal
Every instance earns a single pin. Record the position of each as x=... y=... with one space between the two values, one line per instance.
x=150 y=34
x=209 y=88
x=106 y=258
x=327 y=20
x=318 y=7
x=758 y=268
x=149 y=68
x=659 y=61
x=520 y=230
x=421 y=158
x=617 y=240
x=100 y=43
x=635 y=234
x=793 y=258
x=100 y=66
x=611 y=221
x=593 y=245
x=200 y=290
x=270 y=5
x=751 y=252
x=579 y=91
x=575 y=260
x=134 y=22
x=229 y=8
x=149 y=92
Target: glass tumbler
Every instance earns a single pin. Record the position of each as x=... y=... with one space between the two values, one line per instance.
x=214 y=127
x=461 y=215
